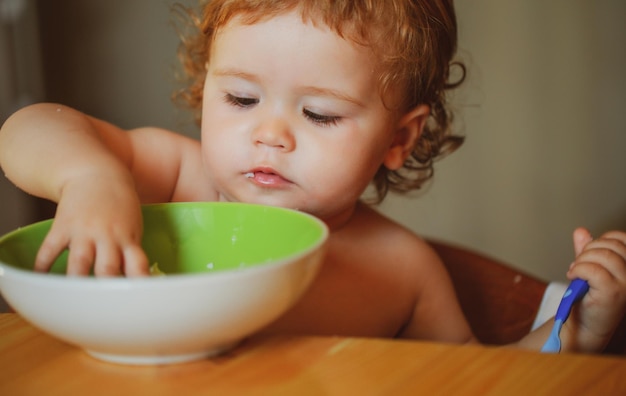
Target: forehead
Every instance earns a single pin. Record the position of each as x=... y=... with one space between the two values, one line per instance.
x=286 y=42
x=313 y=15
x=290 y=28
x=355 y=33
x=286 y=58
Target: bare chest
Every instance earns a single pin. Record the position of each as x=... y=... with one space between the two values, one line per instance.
x=357 y=295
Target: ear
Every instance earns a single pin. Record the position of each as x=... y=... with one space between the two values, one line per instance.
x=407 y=133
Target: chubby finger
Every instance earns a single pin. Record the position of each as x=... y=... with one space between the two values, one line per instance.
x=606 y=249
x=81 y=258
x=108 y=260
x=618 y=239
x=605 y=289
x=135 y=261
x=581 y=237
x=52 y=246
x=601 y=255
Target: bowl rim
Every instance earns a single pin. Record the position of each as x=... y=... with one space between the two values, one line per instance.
x=124 y=282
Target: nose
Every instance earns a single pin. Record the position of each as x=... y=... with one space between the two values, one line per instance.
x=274 y=133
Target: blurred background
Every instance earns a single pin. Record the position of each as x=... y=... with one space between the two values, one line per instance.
x=543 y=110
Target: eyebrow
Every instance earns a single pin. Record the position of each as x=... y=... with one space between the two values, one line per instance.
x=334 y=94
x=317 y=91
x=235 y=73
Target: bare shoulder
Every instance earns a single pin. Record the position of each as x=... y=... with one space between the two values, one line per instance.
x=399 y=257
x=391 y=240
x=417 y=273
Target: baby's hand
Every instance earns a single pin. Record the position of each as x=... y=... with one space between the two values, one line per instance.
x=101 y=224
x=602 y=262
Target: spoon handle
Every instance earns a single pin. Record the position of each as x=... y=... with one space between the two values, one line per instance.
x=575 y=291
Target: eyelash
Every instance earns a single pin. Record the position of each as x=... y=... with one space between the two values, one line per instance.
x=318 y=119
x=240 y=101
x=322 y=120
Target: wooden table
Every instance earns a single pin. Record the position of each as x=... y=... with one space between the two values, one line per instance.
x=33 y=363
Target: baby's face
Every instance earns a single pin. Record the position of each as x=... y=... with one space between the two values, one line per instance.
x=292 y=117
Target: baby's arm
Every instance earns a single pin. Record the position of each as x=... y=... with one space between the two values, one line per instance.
x=602 y=262
x=437 y=314
x=92 y=169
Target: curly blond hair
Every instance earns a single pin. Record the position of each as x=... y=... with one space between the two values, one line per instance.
x=415 y=41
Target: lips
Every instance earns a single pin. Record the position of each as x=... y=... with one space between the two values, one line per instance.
x=267 y=177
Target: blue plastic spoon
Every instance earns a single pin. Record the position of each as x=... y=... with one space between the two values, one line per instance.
x=575 y=291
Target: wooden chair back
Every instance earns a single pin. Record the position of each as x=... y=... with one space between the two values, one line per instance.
x=499 y=302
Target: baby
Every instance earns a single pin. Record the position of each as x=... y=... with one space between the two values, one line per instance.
x=303 y=105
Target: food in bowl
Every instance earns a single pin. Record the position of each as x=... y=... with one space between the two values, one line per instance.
x=155 y=270
x=231 y=268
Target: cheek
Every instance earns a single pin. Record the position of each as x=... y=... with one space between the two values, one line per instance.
x=218 y=127
x=350 y=162
x=346 y=173
x=209 y=158
x=217 y=149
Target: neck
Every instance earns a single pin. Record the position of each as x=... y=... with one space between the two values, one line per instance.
x=340 y=220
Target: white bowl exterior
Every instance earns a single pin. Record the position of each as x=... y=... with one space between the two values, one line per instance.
x=199 y=315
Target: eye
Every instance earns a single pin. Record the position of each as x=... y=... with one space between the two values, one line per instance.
x=240 y=101
x=319 y=119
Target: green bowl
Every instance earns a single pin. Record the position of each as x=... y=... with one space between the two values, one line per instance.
x=231 y=268
x=185 y=238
